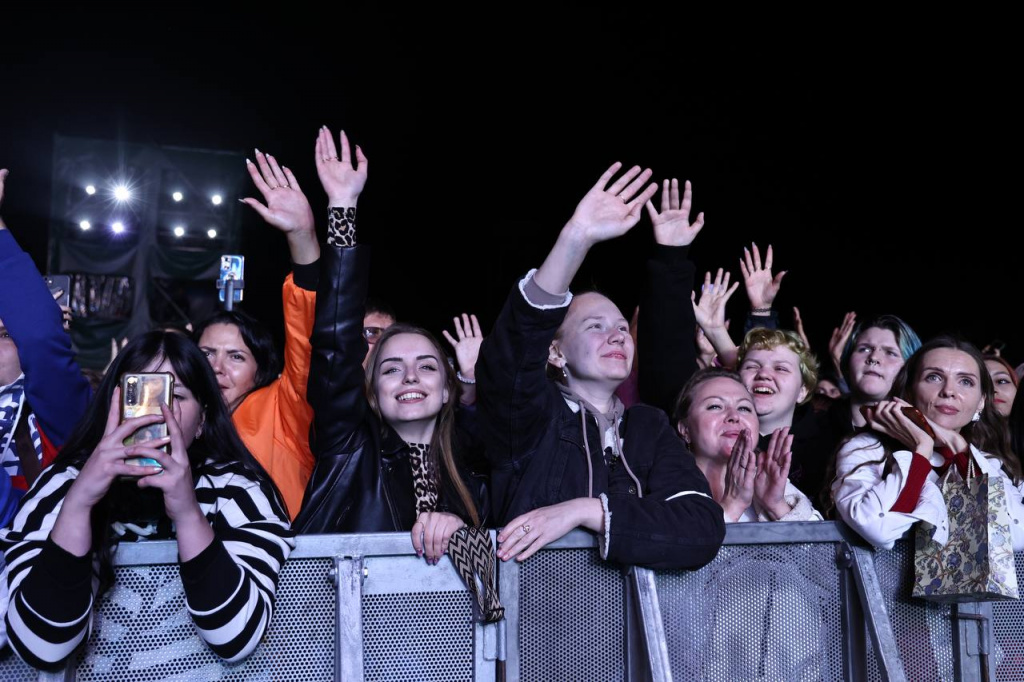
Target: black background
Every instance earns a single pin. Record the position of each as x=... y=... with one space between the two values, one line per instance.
x=880 y=165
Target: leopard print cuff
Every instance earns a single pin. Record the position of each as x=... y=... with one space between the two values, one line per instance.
x=341 y=226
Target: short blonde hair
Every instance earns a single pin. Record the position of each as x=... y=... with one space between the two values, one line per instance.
x=761 y=338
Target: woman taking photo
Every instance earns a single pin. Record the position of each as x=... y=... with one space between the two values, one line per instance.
x=887 y=478
x=564 y=453
x=207 y=493
x=715 y=416
x=385 y=441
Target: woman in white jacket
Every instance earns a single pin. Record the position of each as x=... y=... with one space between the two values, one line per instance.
x=715 y=416
x=888 y=477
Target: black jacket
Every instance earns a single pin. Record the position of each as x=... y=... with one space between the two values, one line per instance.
x=535 y=447
x=361 y=482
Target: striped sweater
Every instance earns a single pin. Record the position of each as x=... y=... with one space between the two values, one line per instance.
x=229 y=587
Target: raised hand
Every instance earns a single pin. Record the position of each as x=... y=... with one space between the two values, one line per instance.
x=610 y=210
x=342 y=180
x=840 y=335
x=287 y=208
x=672 y=226
x=798 y=322
x=467 y=343
x=773 y=474
x=710 y=314
x=761 y=287
x=739 y=478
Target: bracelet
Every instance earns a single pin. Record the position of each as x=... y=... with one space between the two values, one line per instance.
x=458 y=375
x=761 y=311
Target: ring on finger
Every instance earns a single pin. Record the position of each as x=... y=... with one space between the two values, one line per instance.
x=526 y=528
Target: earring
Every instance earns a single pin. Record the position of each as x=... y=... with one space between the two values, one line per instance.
x=977 y=416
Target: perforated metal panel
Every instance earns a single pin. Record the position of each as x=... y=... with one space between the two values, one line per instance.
x=571 y=624
x=923 y=630
x=1008 y=626
x=758 y=612
x=13 y=669
x=143 y=631
x=419 y=637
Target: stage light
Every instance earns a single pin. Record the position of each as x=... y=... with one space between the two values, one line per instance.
x=216 y=199
x=211 y=233
x=90 y=189
x=85 y=224
x=177 y=196
x=117 y=227
x=179 y=231
x=122 y=193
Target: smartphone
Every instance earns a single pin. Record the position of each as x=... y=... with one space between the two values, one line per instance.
x=141 y=394
x=232 y=267
x=912 y=413
x=62 y=283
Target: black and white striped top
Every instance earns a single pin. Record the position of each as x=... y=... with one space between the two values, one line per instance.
x=229 y=587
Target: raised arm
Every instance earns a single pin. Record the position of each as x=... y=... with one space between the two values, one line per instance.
x=512 y=385
x=761 y=286
x=54 y=385
x=667 y=354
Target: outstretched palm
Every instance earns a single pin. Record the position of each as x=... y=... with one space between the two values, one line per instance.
x=672 y=226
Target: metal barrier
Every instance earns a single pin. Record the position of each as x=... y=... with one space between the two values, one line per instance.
x=782 y=601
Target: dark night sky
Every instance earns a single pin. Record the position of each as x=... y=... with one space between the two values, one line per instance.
x=879 y=172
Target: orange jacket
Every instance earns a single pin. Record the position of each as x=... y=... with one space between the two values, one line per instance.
x=274 y=420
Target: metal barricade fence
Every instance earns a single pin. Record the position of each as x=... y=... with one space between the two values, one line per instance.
x=782 y=601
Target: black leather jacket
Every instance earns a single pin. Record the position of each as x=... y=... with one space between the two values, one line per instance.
x=362 y=482
x=535 y=446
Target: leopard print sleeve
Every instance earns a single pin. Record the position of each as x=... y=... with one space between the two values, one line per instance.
x=341 y=226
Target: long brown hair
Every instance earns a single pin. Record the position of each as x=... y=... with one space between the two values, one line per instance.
x=444 y=430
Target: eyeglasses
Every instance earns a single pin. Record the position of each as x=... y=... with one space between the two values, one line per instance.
x=371 y=334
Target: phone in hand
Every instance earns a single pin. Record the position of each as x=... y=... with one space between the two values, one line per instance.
x=141 y=394
x=61 y=283
x=232 y=267
x=911 y=412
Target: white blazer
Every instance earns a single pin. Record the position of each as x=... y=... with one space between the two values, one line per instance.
x=863 y=497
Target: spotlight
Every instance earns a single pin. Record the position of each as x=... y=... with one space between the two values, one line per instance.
x=179 y=231
x=117 y=227
x=90 y=189
x=216 y=199
x=122 y=193
x=211 y=233
x=84 y=224
x=177 y=196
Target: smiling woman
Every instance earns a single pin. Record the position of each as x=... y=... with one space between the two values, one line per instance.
x=385 y=439
x=888 y=477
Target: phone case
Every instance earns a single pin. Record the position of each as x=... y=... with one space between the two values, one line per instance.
x=141 y=394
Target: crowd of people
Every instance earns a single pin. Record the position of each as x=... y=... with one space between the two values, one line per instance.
x=546 y=423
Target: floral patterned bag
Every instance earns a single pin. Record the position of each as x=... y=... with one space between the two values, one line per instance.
x=977 y=562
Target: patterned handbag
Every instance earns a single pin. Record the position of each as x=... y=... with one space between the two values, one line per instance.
x=976 y=564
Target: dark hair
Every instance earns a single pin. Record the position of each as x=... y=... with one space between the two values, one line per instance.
x=685 y=400
x=218 y=442
x=906 y=339
x=988 y=434
x=379 y=306
x=257 y=339
x=1010 y=369
x=441 y=455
